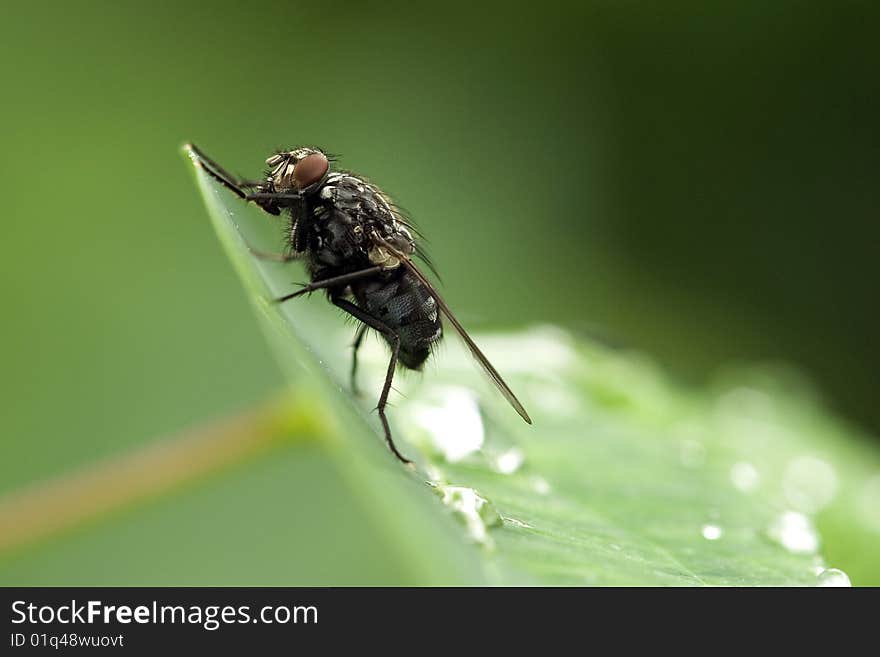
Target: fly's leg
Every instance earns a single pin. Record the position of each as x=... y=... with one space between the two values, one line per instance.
x=274 y=257
x=372 y=322
x=394 y=341
x=358 y=339
x=273 y=196
x=334 y=281
x=220 y=174
x=236 y=185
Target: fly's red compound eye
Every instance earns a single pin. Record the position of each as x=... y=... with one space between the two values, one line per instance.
x=310 y=170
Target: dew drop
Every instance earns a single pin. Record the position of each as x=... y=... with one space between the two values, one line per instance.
x=434 y=474
x=451 y=421
x=809 y=484
x=540 y=485
x=833 y=577
x=508 y=461
x=712 y=532
x=472 y=509
x=516 y=523
x=744 y=476
x=795 y=532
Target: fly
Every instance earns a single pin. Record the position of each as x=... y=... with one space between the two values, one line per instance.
x=359 y=249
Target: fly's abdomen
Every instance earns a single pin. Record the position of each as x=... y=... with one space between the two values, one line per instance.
x=403 y=304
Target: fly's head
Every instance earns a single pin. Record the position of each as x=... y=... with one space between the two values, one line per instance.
x=302 y=170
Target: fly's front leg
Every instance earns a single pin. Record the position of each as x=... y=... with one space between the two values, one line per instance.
x=233 y=183
x=221 y=175
x=394 y=341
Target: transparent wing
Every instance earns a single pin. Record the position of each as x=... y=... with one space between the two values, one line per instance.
x=480 y=357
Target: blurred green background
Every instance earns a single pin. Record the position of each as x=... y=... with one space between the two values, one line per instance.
x=698 y=182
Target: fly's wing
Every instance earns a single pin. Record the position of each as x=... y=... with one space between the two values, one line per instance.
x=471 y=345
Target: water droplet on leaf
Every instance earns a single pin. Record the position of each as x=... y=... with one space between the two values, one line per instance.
x=795 y=532
x=540 y=485
x=472 y=509
x=508 y=461
x=809 y=484
x=744 y=476
x=451 y=421
x=712 y=532
x=517 y=523
x=833 y=577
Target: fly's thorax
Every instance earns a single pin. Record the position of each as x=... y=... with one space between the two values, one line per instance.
x=332 y=238
x=350 y=193
x=369 y=218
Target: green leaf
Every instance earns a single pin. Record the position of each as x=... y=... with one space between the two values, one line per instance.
x=624 y=479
